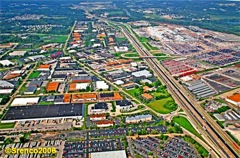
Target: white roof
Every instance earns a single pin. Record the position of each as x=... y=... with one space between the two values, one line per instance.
x=219 y=117
x=18 y=53
x=6 y=62
x=119 y=82
x=6 y=84
x=96 y=45
x=109 y=154
x=101 y=85
x=17 y=72
x=65 y=58
x=145 y=73
x=36 y=57
x=25 y=101
x=72 y=51
x=5 y=91
x=134 y=64
x=186 y=78
x=82 y=85
x=120 y=49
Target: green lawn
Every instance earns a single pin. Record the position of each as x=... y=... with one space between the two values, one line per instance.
x=182 y=121
x=151 y=47
x=117 y=12
x=45 y=103
x=133 y=91
x=131 y=55
x=119 y=40
x=34 y=75
x=6 y=125
x=146 y=46
x=160 y=105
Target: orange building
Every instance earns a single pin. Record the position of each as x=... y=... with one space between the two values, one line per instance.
x=44 y=67
x=85 y=97
x=110 y=96
x=234 y=99
x=52 y=86
x=96 y=117
x=147 y=96
x=67 y=98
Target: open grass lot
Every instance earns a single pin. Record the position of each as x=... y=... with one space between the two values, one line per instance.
x=34 y=75
x=160 y=105
x=131 y=55
x=6 y=125
x=182 y=121
x=117 y=12
x=151 y=47
x=45 y=103
x=133 y=91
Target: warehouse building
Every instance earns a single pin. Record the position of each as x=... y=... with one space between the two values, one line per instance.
x=25 y=101
x=200 y=89
x=234 y=99
x=110 y=154
x=39 y=112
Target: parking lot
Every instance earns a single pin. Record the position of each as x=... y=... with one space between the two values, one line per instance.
x=177 y=147
x=108 y=132
x=224 y=80
x=144 y=146
x=81 y=149
x=172 y=147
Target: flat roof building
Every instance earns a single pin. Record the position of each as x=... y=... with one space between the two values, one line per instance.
x=25 y=101
x=109 y=154
x=102 y=85
x=143 y=73
x=39 y=112
x=234 y=99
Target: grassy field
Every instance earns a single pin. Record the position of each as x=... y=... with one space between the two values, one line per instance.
x=6 y=125
x=182 y=121
x=34 y=75
x=45 y=103
x=133 y=91
x=131 y=55
x=158 y=105
x=116 y=12
x=151 y=47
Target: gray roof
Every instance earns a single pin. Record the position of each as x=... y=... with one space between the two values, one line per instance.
x=31 y=89
x=5 y=84
x=138 y=117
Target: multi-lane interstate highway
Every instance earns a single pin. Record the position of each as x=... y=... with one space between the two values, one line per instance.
x=211 y=132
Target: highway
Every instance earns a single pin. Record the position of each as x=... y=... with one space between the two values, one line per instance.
x=210 y=130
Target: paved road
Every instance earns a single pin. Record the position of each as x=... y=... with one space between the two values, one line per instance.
x=213 y=132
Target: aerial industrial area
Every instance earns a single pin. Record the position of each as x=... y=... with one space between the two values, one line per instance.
x=95 y=82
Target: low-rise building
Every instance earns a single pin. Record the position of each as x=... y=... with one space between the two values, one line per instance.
x=105 y=123
x=102 y=85
x=100 y=107
x=6 y=63
x=44 y=67
x=17 y=53
x=31 y=89
x=112 y=96
x=97 y=117
x=123 y=104
x=234 y=99
x=59 y=78
x=25 y=101
x=86 y=97
x=138 y=118
x=142 y=73
x=147 y=96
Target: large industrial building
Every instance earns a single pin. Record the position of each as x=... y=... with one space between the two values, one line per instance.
x=200 y=89
x=109 y=154
x=40 y=112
